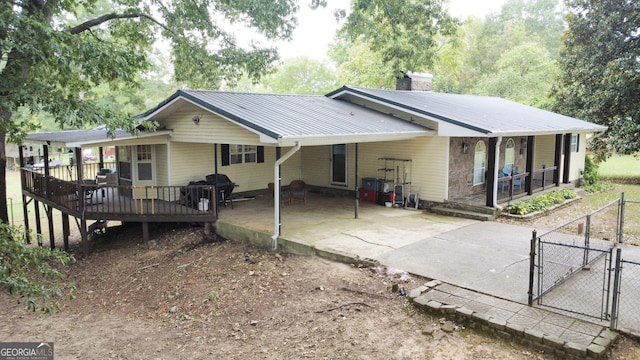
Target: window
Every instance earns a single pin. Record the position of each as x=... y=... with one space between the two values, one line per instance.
x=575 y=142
x=510 y=154
x=145 y=166
x=479 y=158
x=239 y=154
x=124 y=162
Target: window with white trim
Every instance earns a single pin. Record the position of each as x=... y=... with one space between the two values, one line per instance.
x=510 y=154
x=479 y=161
x=575 y=142
x=239 y=154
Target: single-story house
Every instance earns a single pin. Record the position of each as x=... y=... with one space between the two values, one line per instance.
x=425 y=148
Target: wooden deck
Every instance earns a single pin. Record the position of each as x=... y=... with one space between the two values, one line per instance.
x=88 y=200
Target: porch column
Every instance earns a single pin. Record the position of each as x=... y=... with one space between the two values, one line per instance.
x=100 y=158
x=48 y=209
x=556 y=160
x=531 y=145
x=567 y=158
x=84 y=236
x=492 y=171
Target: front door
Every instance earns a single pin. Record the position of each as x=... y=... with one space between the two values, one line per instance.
x=339 y=164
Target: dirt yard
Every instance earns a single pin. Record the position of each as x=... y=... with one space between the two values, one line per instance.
x=186 y=298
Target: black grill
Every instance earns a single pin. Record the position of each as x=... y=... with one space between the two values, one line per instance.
x=224 y=185
x=202 y=189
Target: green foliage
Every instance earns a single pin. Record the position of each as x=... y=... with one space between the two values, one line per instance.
x=358 y=65
x=590 y=172
x=31 y=272
x=61 y=57
x=600 y=78
x=300 y=76
x=400 y=33
x=523 y=75
x=541 y=202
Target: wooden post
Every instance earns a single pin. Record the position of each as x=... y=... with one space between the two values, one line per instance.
x=36 y=206
x=25 y=203
x=65 y=231
x=145 y=231
x=52 y=240
x=85 y=237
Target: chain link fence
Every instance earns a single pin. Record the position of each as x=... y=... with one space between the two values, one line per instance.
x=631 y=222
x=625 y=315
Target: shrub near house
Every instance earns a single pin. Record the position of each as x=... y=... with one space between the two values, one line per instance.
x=541 y=202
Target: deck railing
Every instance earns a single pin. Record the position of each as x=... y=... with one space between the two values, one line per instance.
x=127 y=203
x=543 y=178
x=70 y=172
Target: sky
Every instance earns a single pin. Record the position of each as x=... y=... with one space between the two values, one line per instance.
x=316 y=28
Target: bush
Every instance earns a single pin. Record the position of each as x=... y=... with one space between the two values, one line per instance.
x=541 y=202
x=31 y=272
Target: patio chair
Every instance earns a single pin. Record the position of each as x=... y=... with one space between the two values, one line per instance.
x=298 y=190
x=511 y=171
x=284 y=194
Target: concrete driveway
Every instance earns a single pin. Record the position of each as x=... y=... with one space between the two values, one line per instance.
x=488 y=257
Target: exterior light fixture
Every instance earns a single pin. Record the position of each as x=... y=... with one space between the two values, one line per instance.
x=465 y=148
x=196 y=119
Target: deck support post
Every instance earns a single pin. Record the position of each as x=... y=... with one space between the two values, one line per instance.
x=25 y=202
x=85 y=237
x=145 y=231
x=65 y=231
x=52 y=237
x=36 y=206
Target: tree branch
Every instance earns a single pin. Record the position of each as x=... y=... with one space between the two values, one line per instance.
x=108 y=17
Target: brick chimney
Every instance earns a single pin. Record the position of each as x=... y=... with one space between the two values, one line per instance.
x=415 y=82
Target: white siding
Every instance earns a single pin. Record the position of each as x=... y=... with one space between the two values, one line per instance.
x=577 y=158
x=427 y=171
x=162 y=165
x=545 y=150
x=192 y=162
x=211 y=128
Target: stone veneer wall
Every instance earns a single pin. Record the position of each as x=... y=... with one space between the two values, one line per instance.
x=461 y=164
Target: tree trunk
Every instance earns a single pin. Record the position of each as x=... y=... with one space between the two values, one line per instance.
x=5 y=117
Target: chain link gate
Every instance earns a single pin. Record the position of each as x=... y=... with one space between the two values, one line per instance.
x=573 y=267
x=570 y=266
x=625 y=314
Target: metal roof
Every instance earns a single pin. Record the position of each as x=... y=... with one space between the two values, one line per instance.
x=305 y=118
x=487 y=115
x=83 y=138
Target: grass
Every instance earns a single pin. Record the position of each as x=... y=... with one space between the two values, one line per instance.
x=620 y=166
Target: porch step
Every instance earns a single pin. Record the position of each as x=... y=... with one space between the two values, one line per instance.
x=467 y=214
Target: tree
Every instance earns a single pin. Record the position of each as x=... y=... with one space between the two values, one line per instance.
x=301 y=76
x=524 y=74
x=53 y=53
x=401 y=33
x=600 y=71
x=358 y=65
x=31 y=272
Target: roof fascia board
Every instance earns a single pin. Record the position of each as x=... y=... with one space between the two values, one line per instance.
x=144 y=139
x=350 y=139
x=405 y=108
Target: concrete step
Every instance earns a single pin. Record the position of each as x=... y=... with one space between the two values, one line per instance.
x=462 y=213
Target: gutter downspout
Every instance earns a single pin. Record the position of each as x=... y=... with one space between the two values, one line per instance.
x=495 y=172
x=276 y=194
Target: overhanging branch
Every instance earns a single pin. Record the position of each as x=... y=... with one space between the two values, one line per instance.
x=108 y=17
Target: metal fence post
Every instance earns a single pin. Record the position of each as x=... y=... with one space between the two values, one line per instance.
x=587 y=236
x=616 y=289
x=532 y=263
x=621 y=218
